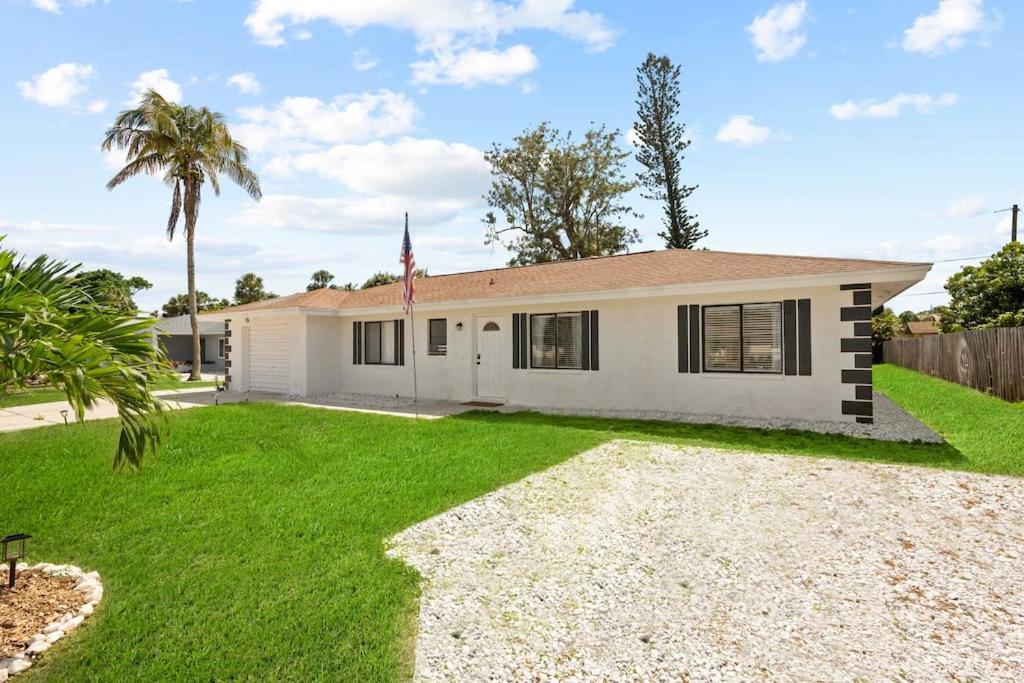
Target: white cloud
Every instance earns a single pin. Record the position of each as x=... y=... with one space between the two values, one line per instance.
x=472 y=66
x=433 y=22
x=741 y=130
x=408 y=167
x=776 y=34
x=305 y=123
x=159 y=80
x=948 y=26
x=60 y=86
x=344 y=215
x=246 y=82
x=96 y=107
x=363 y=60
x=460 y=36
x=47 y=6
x=893 y=107
x=452 y=244
x=53 y=6
x=967 y=207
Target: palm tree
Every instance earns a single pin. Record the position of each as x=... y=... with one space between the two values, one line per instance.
x=52 y=329
x=190 y=146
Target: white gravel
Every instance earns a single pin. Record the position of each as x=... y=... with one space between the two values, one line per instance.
x=892 y=423
x=649 y=562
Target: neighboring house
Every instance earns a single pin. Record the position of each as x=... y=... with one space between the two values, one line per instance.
x=921 y=328
x=175 y=336
x=685 y=331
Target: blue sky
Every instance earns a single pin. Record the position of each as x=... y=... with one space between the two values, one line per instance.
x=866 y=129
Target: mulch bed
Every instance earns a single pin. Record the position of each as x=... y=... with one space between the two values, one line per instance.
x=37 y=599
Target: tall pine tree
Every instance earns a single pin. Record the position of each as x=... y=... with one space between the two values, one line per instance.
x=661 y=141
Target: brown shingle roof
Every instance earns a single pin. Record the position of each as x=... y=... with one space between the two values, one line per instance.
x=318 y=298
x=922 y=327
x=626 y=271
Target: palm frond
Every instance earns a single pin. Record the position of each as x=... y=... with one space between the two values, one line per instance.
x=150 y=164
x=172 y=221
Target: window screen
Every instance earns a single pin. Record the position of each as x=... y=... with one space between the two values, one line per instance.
x=743 y=338
x=762 y=338
x=371 y=349
x=722 y=338
x=387 y=343
x=556 y=341
x=437 y=344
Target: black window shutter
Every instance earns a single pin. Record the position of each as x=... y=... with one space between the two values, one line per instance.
x=585 y=341
x=803 y=335
x=694 y=338
x=524 y=341
x=515 y=340
x=357 y=343
x=789 y=336
x=594 y=348
x=683 y=337
x=400 y=340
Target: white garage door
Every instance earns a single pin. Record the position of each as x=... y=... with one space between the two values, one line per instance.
x=270 y=358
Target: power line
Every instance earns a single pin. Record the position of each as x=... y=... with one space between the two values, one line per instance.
x=965 y=258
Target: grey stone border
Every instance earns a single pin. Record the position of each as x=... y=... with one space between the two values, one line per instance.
x=88 y=583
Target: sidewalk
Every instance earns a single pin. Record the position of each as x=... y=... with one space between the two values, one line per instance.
x=44 y=414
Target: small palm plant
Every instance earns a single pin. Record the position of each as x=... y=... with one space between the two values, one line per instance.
x=51 y=329
x=190 y=146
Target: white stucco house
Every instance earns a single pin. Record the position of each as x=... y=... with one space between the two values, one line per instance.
x=697 y=332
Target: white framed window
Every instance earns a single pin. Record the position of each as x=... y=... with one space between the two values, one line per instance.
x=556 y=341
x=221 y=343
x=743 y=338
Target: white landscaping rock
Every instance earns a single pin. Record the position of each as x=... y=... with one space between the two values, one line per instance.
x=65 y=623
x=18 y=665
x=652 y=562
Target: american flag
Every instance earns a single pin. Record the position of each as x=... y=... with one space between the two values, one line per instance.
x=409 y=270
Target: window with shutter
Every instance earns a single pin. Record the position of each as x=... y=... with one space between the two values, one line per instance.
x=743 y=338
x=556 y=341
x=379 y=343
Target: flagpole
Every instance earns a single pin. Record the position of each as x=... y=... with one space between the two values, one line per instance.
x=415 y=388
x=412 y=332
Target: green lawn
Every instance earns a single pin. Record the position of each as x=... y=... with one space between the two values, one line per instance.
x=987 y=431
x=33 y=395
x=252 y=546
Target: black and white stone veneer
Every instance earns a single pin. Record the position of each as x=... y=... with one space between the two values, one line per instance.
x=856 y=350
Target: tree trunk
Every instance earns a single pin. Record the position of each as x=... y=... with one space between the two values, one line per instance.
x=190 y=240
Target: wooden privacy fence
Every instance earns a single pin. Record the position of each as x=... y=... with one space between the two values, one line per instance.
x=990 y=360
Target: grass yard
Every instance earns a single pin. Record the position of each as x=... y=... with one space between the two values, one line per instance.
x=987 y=431
x=252 y=546
x=33 y=395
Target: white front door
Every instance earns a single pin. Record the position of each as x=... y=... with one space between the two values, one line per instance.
x=490 y=354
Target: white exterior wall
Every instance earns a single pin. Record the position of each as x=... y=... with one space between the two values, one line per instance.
x=241 y=327
x=324 y=352
x=638 y=362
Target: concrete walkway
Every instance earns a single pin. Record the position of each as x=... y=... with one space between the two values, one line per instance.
x=45 y=414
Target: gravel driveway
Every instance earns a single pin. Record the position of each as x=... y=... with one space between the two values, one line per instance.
x=650 y=562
